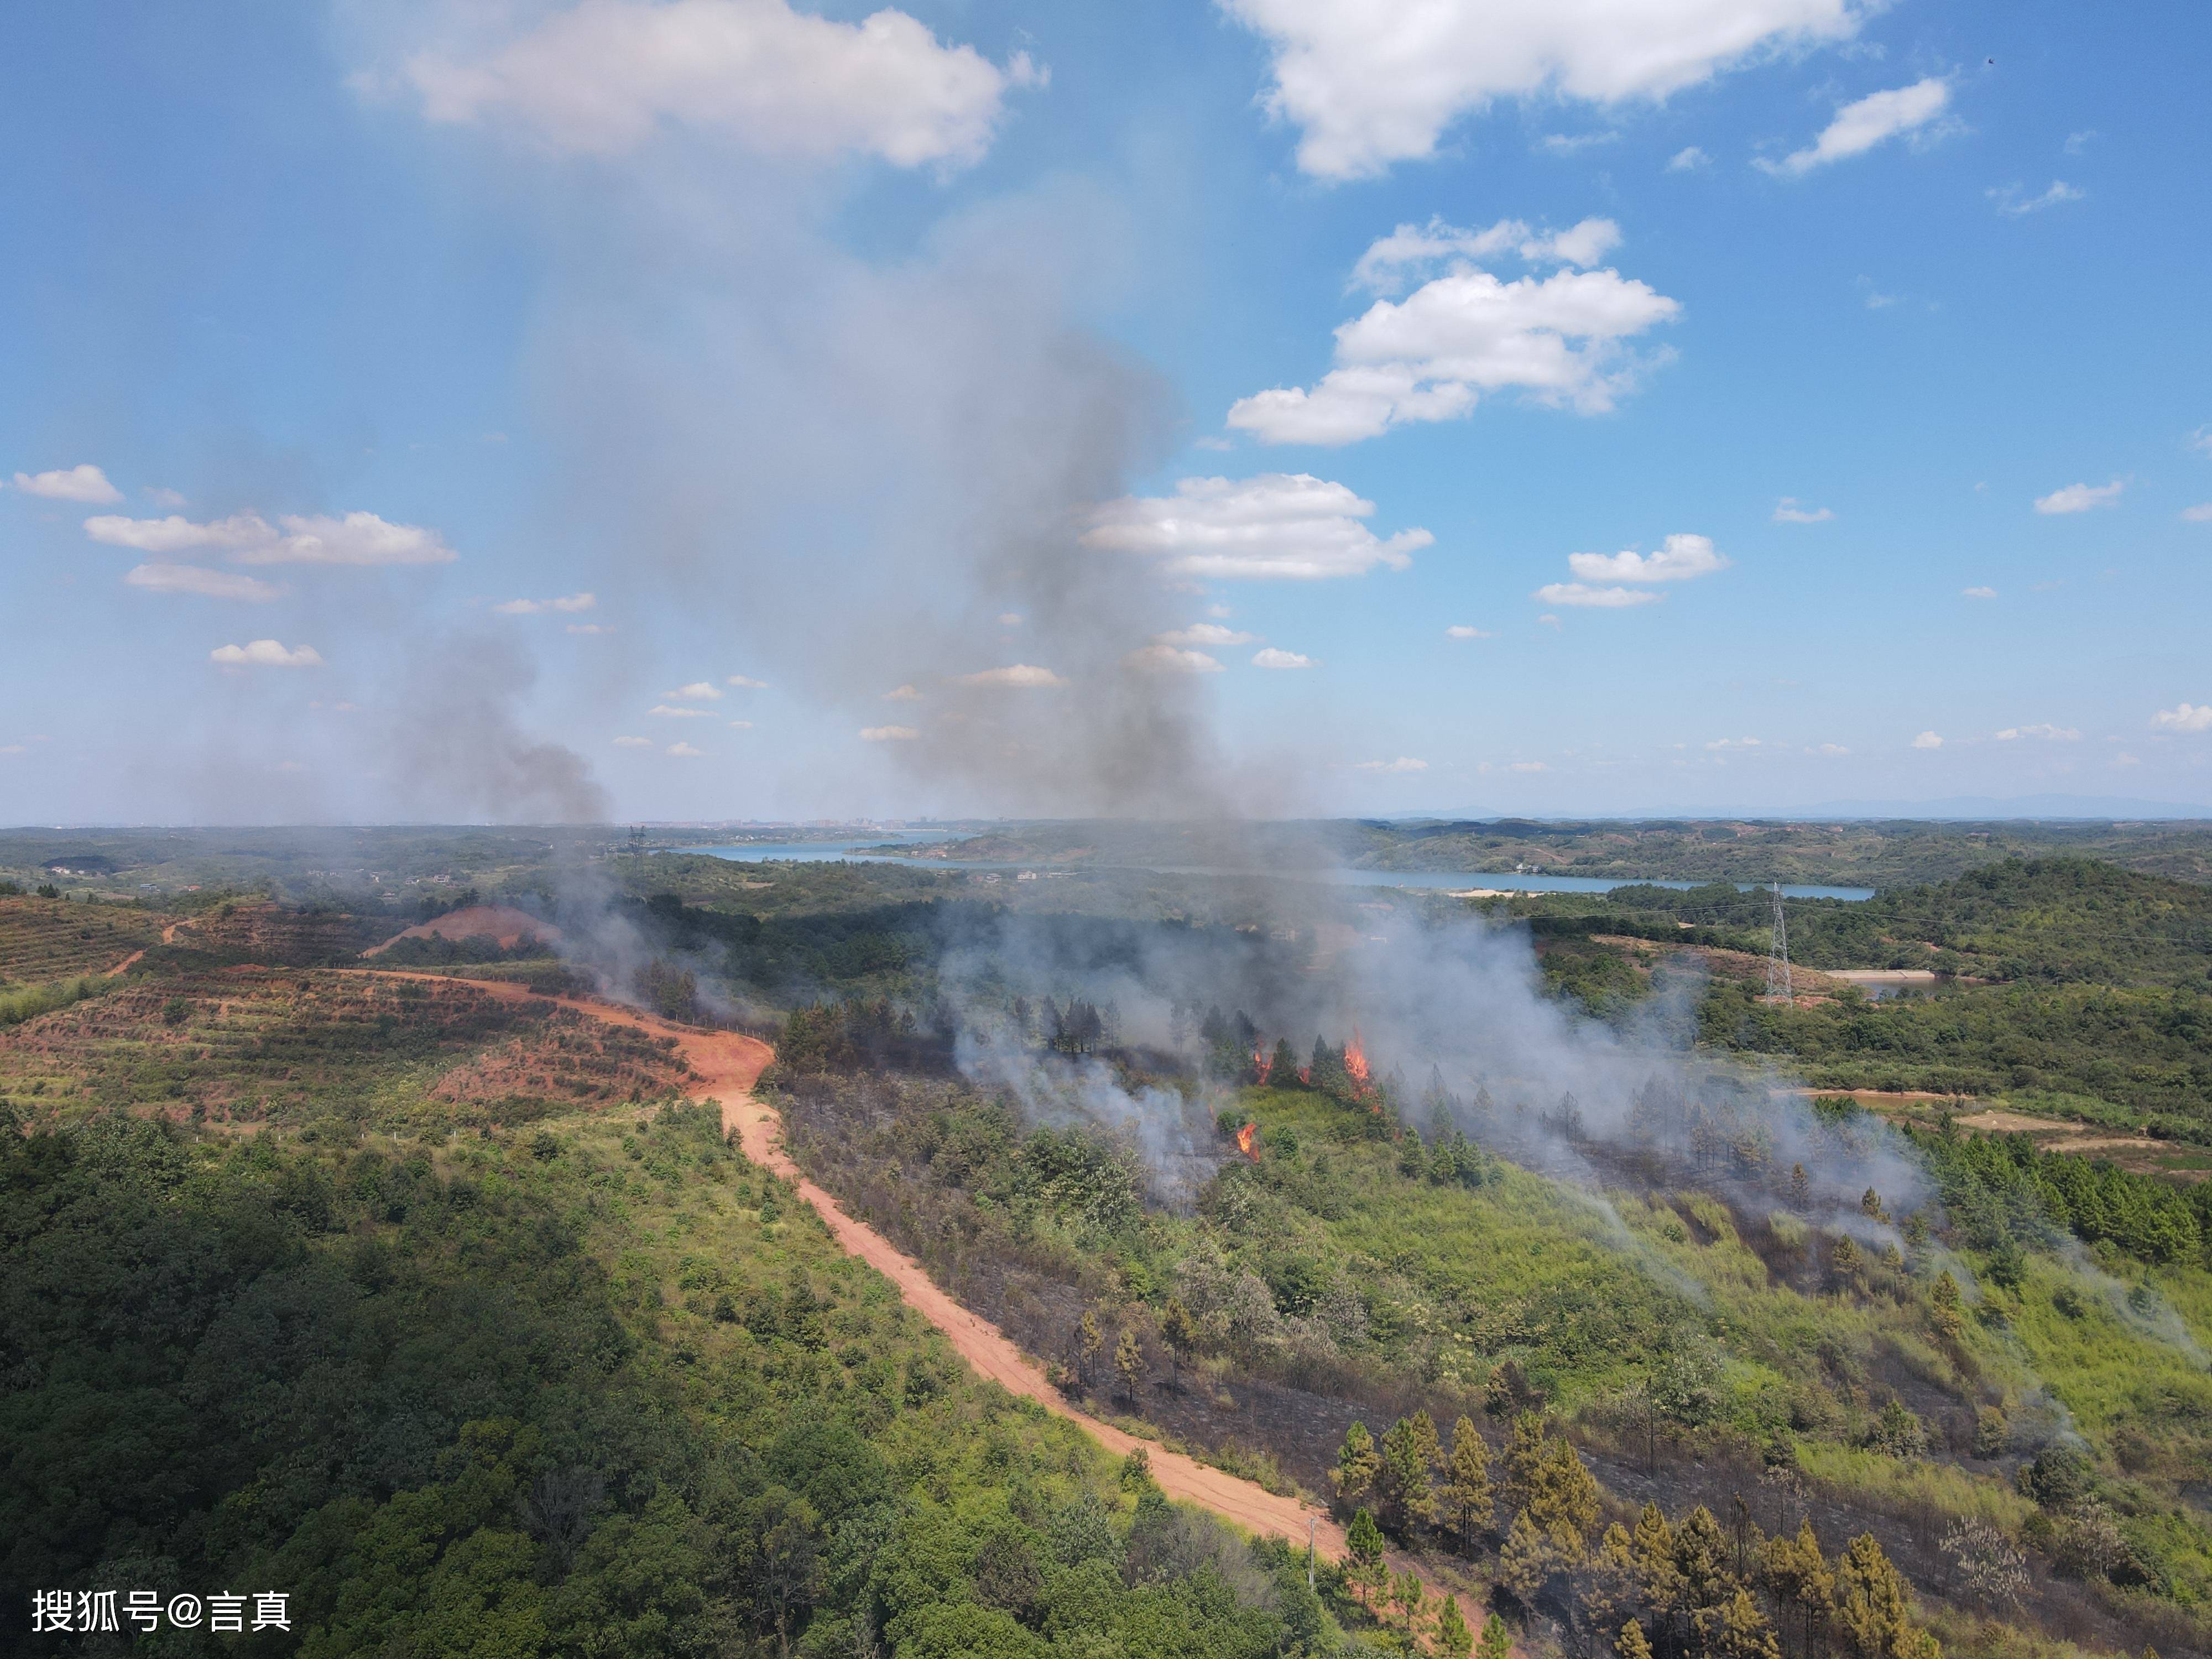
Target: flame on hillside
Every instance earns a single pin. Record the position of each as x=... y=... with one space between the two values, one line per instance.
x=1262 y=1063
x=1355 y=1061
x=1248 y=1141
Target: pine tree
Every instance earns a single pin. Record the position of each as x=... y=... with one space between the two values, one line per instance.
x=1453 y=1639
x=1529 y=1559
x=1871 y=1604
x=1633 y=1643
x=1658 y=1580
x=1796 y=1575
x=1408 y=1455
x=1801 y=1186
x=1364 y=1542
x=1357 y=1463
x=1742 y=1631
x=1283 y=1070
x=1526 y=1450
x=1409 y=1594
x=1468 y=1499
x=1089 y=1340
x=1701 y=1556
x=1870 y=1204
x=1180 y=1331
x=1609 y=1582
x=1943 y=1305
x=1129 y=1361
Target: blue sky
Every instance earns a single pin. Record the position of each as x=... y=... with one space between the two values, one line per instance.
x=1745 y=404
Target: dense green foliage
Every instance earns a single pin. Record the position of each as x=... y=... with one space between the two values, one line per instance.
x=587 y=1392
x=2003 y=1193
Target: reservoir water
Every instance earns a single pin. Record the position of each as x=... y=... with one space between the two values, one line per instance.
x=861 y=850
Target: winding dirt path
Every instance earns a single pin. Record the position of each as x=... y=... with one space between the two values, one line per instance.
x=729 y=1064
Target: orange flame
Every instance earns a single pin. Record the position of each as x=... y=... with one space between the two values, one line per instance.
x=1248 y=1141
x=1262 y=1062
x=1355 y=1061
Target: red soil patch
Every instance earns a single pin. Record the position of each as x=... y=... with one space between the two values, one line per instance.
x=502 y=923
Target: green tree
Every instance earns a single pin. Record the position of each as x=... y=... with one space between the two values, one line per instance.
x=1632 y=1643
x=1943 y=1306
x=1466 y=1497
x=1129 y=1363
x=1795 y=1574
x=1454 y=1640
x=1090 y=1342
x=1497 y=1640
x=1363 y=1540
x=1743 y=1632
x=1179 y=1331
x=1405 y=1482
x=1357 y=1463
x=1283 y=1069
x=1873 y=1609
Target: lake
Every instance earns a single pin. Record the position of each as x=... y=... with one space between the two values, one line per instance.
x=1506 y=881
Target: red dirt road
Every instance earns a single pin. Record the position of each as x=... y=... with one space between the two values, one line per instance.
x=728 y=1064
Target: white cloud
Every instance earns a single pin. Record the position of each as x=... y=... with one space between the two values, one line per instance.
x=903 y=694
x=1600 y=598
x=1858 y=127
x=633 y=742
x=589 y=628
x=2200 y=439
x=668 y=712
x=605 y=76
x=161 y=497
x=2080 y=497
x=1528 y=766
x=1204 y=634
x=1415 y=250
x=1291 y=526
x=2045 y=733
x=2010 y=200
x=1462 y=631
x=2125 y=760
x=572 y=605
x=1688 y=160
x=265 y=653
x=1166 y=660
x=191 y=579
x=1928 y=740
x=684 y=751
x=1379 y=82
x=1831 y=749
x=887 y=734
x=1978 y=593
x=2184 y=717
x=2077 y=142
x=744 y=684
x=1681 y=559
x=1574 y=143
x=2201 y=513
x=697 y=691
x=358 y=538
x=69 y=483
x=1787 y=511
x=1733 y=743
x=1561 y=339
x=741 y=726
x=1010 y=619
x=1271 y=658
x=1403 y=764
x=1021 y=675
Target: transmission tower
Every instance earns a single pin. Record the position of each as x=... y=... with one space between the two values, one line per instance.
x=1777 y=952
